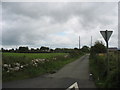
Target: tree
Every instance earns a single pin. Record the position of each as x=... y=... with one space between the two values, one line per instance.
x=32 y=50
x=98 y=47
x=76 y=48
x=2 y=49
x=51 y=50
x=23 y=49
x=11 y=50
x=58 y=50
x=44 y=49
x=85 y=49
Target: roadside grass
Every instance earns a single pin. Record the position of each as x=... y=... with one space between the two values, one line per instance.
x=98 y=66
x=31 y=71
x=27 y=57
x=96 y=70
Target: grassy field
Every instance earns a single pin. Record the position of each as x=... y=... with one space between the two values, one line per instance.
x=27 y=57
x=34 y=55
x=18 y=66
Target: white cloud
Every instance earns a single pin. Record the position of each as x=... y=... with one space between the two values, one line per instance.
x=57 y=24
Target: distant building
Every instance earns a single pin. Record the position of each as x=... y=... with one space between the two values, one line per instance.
x=112 y=49
x=118 y=49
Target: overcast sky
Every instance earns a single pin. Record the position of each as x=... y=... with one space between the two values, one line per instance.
x=57 y=24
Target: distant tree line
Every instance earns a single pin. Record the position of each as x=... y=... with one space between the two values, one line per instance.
x=44 y=49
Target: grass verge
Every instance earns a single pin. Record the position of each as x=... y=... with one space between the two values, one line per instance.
x=98 y=66
x=33 y=71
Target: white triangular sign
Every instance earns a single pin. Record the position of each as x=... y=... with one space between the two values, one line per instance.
x=108 y=33
x=75 y=86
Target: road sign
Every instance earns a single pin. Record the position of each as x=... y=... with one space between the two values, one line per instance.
x=106 y=34
x=75 y=86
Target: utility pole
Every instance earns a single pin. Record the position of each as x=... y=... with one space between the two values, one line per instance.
x=106 y=33
x=91 y=41
x=79 y=42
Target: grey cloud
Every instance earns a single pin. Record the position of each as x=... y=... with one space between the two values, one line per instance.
x=35 y=23
x=61 y=12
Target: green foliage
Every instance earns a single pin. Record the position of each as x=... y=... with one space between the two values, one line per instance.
x=98 y=66
x=44 y=48
x=85 y=49
x=98 y=48
x=50 y=66
x=75 y=53
x=21 y=56
x=23 y=49
x=113 y=80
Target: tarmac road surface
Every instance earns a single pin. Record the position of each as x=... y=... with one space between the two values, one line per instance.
x=77 y=71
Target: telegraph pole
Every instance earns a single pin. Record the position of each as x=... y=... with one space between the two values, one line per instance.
x=79 y=42
x=91 y=41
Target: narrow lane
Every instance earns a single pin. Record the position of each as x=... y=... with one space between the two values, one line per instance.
x=77 y=71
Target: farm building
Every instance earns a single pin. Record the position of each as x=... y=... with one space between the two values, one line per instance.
x=119 y=49
x=112 y=49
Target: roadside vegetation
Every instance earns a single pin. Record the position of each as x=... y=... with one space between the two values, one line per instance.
x=16 y=66
x=99 y=65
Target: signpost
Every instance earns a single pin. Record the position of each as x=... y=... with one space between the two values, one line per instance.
x=106 y=35
x=73 y=87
